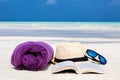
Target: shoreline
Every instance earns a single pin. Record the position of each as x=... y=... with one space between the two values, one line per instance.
x=61 y=33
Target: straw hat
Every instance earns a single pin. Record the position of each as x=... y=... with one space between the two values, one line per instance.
x=69 y=50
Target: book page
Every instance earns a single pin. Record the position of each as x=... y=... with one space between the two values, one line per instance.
x=82 y=67
x=86 y=67
x=66 y=65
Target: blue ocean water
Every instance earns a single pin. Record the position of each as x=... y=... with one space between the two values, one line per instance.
x=60 y=10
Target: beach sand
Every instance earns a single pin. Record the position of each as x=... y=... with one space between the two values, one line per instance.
x=108 y=47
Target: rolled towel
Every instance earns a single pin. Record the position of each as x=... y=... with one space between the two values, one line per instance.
x=32 y=55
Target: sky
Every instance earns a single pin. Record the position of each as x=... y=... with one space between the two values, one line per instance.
x=60 y=10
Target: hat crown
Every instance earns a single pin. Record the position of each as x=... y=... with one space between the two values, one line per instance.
x=69 y=50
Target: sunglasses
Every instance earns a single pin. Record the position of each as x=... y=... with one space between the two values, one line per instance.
x=94 y=56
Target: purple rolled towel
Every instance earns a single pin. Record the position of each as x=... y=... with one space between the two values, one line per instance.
x=32 y=55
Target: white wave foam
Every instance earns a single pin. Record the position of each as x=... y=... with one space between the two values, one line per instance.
x=61 y=26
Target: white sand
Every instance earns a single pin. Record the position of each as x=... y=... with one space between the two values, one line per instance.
x=110 y=48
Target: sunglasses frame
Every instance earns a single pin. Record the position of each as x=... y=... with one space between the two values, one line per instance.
x=93 y=58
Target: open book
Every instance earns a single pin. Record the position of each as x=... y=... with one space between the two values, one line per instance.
x=85 y=67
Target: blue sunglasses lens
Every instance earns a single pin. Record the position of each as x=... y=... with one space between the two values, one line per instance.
x=93 y=56
x=91 y=53
x=102 y=60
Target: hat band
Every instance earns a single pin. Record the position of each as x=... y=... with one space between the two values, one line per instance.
x=72 y=59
